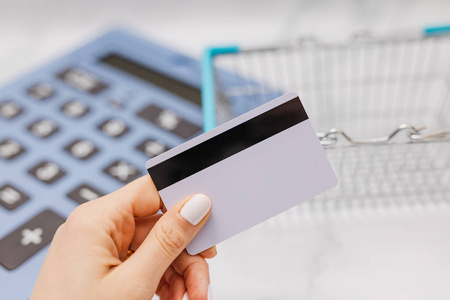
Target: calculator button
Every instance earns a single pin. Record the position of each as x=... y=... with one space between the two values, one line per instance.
x=10 y=149
x=116 y=103
x=47 y=172
x=11 y=197
x=41 y=91
x=75 y=109
x=43 y=128
x=165 y=119
x=28 y=239
x=152 y=148
x=82 y=80
x=122 y=171
x=169 y=121
x=113 y=128
x=81 y=149
x=84 y=193
x=9 y=110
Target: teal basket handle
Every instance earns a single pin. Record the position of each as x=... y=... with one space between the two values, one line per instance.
x=208 y=84
x=436 y=30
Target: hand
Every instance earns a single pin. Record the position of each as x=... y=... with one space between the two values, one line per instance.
x=88 y=255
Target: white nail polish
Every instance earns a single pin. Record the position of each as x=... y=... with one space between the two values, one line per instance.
x=210 y=296
x=196 y=208
x=185 y=296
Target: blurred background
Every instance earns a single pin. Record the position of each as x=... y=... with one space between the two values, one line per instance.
x=34 y=32
x=382 y=252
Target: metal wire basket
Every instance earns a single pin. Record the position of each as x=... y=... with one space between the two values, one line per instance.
x=380 y=106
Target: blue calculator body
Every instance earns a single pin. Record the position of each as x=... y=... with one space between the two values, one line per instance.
x=80 y=127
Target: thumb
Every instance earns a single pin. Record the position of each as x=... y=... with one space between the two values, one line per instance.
x=168 y=238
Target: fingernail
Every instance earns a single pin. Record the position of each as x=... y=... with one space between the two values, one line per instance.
x=185 y=296
x=196 y=208
x=210 y=296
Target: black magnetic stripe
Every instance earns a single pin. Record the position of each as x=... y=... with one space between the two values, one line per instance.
x=228 y=143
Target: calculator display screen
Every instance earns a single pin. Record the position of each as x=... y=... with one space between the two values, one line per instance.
x=174 y=86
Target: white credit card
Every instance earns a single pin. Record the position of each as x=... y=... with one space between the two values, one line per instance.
x=252 y=167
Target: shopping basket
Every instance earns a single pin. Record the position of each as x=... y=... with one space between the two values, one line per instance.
x=380 y=107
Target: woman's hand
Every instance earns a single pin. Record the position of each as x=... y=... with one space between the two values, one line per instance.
x=88 y=255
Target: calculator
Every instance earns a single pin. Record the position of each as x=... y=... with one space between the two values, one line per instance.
x=80 y=127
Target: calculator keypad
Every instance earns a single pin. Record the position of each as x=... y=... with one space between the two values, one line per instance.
x=47 y=172
x=11 y=197
x=36 y=233
x=10 y=149
x=23 y=242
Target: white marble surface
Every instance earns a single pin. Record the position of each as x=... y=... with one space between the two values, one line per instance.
x=396 y=252
x=384 y=253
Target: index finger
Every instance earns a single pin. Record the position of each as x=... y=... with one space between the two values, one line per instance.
x=195 y=272
x=139 y=197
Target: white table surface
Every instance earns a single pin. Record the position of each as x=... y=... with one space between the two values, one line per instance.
x=397 y=252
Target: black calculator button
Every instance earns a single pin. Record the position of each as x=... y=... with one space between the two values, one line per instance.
x=47 y=172
x=9 y=110
x=43 y=128
x=168 y=121
x=113 y=128
x=82 y=80
x=41 y=91
x=84 y=193
x=75 y=109
x=28 y=239
x=165 y=119
x=122 y=171
x=10 y=149
x=152 y=148
x=81 y=149
x=11 y=197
